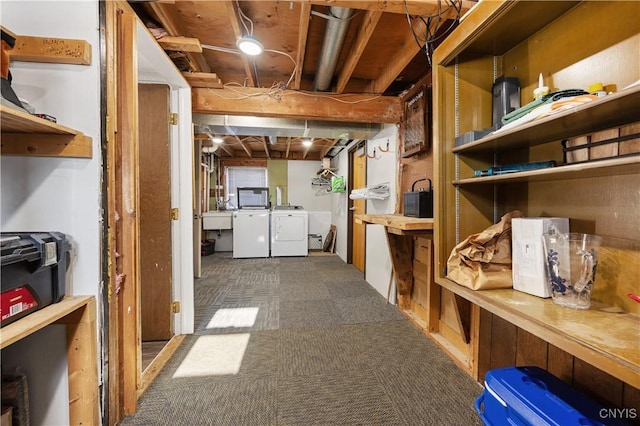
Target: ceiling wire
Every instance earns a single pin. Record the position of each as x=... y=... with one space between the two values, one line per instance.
x=244 y=17
x=425 y=35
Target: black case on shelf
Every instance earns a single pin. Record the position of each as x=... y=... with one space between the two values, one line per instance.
x=33 y=272
x=419 y=203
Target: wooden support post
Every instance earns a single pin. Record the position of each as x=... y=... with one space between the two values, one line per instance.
x=400 y=247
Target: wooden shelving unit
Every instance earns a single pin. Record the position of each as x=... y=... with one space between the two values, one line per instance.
x=25 y=134
x=605 y=337
x=78 y=313
x=522 y=39
x=609 y=111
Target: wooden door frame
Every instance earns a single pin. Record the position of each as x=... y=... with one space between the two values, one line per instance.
x=124 y=382
x=352 y=153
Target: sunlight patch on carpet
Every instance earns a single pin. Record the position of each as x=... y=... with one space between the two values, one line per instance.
x=214 y=356
x=233 y=317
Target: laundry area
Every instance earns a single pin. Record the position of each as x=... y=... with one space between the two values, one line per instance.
x=254 y=222
x=381 y=213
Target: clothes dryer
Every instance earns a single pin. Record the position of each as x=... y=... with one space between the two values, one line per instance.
x=289 y=232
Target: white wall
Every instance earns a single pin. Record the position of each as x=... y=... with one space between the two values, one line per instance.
x=382 y=169
x=299 y=189
x=50 y=194
x=339 y=205
x=300 y=192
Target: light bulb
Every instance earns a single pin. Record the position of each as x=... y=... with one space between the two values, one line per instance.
x=307 y=142
x=249 y=45
x=217 y=139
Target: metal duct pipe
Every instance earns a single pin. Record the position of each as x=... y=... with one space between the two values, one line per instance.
x=331 y=46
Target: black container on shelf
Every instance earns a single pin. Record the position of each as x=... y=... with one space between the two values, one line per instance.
x=33 y=272
x=506 y=98
x=419 y=203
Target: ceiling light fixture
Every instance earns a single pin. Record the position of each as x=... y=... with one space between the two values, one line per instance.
x=307 y=142
x=217 y=139
x=250 y=45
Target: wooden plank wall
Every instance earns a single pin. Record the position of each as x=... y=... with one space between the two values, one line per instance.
x=502 y=344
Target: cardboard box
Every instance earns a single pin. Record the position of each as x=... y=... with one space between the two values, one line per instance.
x=528 y=262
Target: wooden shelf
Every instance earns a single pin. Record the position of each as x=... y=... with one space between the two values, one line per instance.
x=602 y=336
x=397 y=221
x=497 y=27
x=25 y=134
x=597 y=168
x=37 y=320
x=78 y=313
x=522 y=39
x=610 y=111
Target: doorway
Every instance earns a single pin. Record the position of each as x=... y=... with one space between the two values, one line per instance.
x=357 y=179
x=155 y=219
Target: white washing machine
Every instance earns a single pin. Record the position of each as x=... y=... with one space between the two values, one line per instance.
x=289 y=232
x=251 y=233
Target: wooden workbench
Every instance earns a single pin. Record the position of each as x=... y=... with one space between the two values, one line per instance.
x=400 y=231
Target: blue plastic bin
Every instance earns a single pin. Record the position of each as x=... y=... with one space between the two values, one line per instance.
x=527 y=396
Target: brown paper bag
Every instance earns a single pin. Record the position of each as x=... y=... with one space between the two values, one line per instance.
x=483 y=261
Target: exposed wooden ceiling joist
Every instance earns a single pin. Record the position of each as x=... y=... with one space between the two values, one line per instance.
x=327 y=148
x=167 y=16
x=414 y=7
x=184 y=44
x=405 y=53
x=236 y=25
x=294 y=104
x=362 y=39
x=266 y=147
x=305 y=15
x=244 y=146
x=203 y=79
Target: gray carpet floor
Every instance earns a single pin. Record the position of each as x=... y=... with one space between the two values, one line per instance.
x=302 y=341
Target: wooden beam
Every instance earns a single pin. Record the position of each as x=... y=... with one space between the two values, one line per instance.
x=224 y=148
x=236 y=26
x=415 y=7
x=327 y=148
x=288 y=147
x=307 y=149
x=303 y=31
x=51 y=50
x=167 y=15
x=128 y=225
x=295 y=104
x=365 y=31
x=183 y=44
x=405 y=53
x=245 y=147
x=203 y=79
x=266 y=146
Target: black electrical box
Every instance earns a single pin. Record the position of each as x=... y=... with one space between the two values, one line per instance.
x=33 y=270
